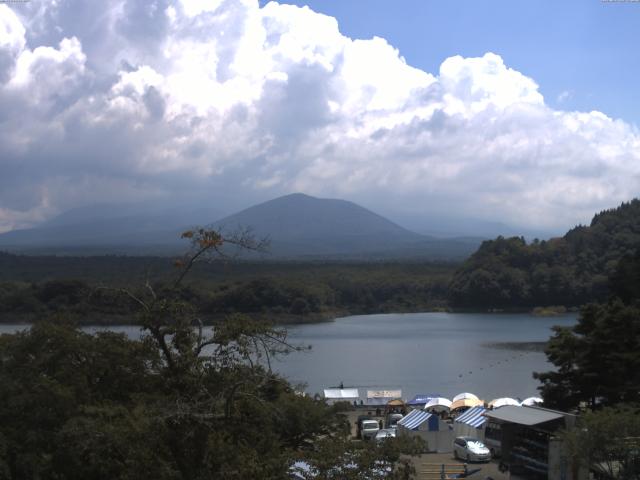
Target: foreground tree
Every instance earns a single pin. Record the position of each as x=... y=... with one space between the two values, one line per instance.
x=607 y=442
x=597 y=360
x=181 y=403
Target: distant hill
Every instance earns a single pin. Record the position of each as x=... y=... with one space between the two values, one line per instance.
x=570 y=270
x=299 y=226
x=108 y=229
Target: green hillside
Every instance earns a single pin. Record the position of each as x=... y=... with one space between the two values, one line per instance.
x=571 y=270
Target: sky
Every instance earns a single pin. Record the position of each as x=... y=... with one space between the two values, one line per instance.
x=525 y=113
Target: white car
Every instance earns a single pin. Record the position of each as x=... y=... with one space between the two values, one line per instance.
x=470 y=449
x=385 y=433
x=369 y=429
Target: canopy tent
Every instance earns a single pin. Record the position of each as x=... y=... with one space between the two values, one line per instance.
x=421 y=399
x=414 y=419
x=473 y=417
x=531 y=401
x=438 y=404
x=382 y=397
x=464 y=395
x=501 y=402
x=418 y=423
x=471 y=423
x=466 y=403
x=395 y=406
x=333 y=395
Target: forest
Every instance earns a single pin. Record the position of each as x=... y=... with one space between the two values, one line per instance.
x=88 y=289
x=509 y=273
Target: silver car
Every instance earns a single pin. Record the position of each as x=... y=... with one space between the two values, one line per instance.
x=385 y=433
x=470 y=449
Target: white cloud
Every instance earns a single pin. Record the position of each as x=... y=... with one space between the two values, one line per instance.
x=155 y=99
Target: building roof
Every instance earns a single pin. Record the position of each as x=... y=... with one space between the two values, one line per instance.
x=524 y=415
x=473 y=417
x=340 y=393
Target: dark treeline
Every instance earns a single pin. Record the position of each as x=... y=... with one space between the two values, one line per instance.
x=87 y=288
x=570 y=271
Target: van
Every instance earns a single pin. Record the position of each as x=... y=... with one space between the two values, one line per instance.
x=368 y=429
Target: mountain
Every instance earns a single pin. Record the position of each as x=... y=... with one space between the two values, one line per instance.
x=569 y=270
x=297 y=225
x=100 y=229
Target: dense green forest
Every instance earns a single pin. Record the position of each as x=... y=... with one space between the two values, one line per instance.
x=570 y=271
x=88 y=288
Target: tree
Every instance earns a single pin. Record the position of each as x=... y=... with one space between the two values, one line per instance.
x=181 y=403
x=598 y=360
x=608 y=442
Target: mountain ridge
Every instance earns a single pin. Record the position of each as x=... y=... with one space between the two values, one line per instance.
x=299 y=226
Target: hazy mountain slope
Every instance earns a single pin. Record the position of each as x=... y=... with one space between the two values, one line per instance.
x=106 y=227
x=299 y=216
x=297 y=225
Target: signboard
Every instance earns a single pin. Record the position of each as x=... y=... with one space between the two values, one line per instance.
x=381 y=397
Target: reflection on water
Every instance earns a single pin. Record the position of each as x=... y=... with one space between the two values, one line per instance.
x=440 y=353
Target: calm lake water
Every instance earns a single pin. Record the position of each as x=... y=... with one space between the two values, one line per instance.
x=440 y=353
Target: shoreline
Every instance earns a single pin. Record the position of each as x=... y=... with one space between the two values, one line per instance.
x=278 y=319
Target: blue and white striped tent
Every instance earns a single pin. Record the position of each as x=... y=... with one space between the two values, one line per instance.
x=416 y=418
x=471 y=423
x=474 y=417
x=438 y=436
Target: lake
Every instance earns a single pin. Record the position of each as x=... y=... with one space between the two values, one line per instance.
x=442 y=353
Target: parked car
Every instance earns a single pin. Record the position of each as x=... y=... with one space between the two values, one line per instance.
x=470 y=449
x=385 y=433
x=392 y=420
x=368 y=429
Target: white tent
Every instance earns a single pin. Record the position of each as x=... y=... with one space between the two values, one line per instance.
x=438 y=404
x=531 y=401
x=501 y=402
x=464 y=396
x=333 y=395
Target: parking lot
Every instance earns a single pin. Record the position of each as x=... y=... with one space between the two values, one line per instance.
x=428 y=463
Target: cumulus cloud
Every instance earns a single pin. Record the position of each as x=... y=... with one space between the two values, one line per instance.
x=127 y=100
